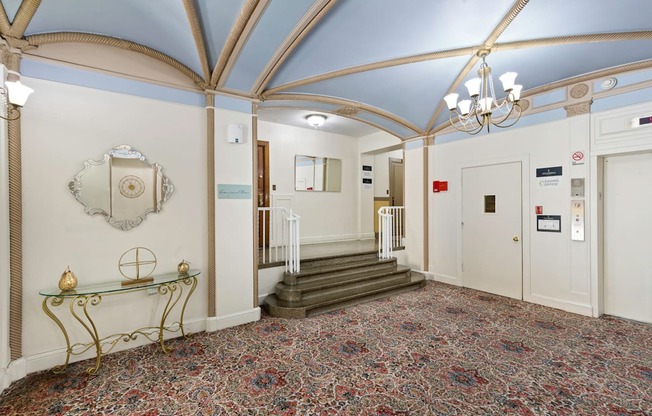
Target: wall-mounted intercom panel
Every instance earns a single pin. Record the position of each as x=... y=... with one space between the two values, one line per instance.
x=577 y=187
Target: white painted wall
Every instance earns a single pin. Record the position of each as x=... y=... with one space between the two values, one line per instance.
x=62 y=127
x=413 y=202
x=234 y=224
x=325 y=216
x=562 y=283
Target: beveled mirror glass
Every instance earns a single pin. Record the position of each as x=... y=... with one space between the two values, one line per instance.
x=123 y=186
x=312 y=173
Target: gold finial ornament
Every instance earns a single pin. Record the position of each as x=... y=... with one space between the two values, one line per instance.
x=68 y=280
x=183 y=267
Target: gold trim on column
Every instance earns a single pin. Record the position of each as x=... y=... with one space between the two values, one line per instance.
x=426 y=194
x=578 y=109
x=23 y=16
x=15 y=240
x=5 y=26
x=210 y=188
x=254 y=201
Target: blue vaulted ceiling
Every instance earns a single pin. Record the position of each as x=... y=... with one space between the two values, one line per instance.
x=384 y=63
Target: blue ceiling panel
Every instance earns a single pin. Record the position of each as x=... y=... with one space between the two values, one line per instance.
x=275 y=25
x=11 y=7
x=354 y=33
x=409 y=91
x=158 y=24
x=577 y=18
x=395 y=128
x=217 y=18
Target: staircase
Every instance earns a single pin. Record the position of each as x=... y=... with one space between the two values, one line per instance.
x=335 y=282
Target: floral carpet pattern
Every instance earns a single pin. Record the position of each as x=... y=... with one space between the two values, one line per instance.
x=441 y=350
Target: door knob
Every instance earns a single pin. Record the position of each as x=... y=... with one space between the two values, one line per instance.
x=515 y=238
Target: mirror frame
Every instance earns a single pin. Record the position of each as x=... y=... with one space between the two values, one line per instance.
x=76 y=186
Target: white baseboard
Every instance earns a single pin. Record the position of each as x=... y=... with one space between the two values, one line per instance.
x=15 y=371
x=49 y=359
x=428 y=275
x=451 y=280
x=329 y=238
x=221 y=322
x=573 y=307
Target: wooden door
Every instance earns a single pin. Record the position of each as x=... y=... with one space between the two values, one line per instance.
x=492 y=257
x=263 y=192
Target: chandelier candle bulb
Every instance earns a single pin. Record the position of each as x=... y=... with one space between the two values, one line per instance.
x=465 y=107
x=516 y=92
x=451 y=100
x=473 y=85
x=508 y=79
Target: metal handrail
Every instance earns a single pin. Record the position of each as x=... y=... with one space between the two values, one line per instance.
x=284 y=240
x=390 y=230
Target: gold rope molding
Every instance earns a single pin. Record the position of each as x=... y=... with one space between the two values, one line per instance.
x=63 y=37
x=15 y=240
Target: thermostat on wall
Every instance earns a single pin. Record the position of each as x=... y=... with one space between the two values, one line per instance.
x=234 y=133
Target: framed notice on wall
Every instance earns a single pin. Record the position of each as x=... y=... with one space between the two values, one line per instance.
x=549 y=223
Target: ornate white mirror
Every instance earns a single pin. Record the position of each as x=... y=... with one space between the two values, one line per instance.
x=122 y=186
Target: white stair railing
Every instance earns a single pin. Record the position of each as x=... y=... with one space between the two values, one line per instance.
x=283 y=244
x=390 y=230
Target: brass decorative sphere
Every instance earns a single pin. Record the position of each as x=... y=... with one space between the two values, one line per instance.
x=68 y=280
x=183 y=267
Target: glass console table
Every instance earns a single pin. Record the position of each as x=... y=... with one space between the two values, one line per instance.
x=170 y=285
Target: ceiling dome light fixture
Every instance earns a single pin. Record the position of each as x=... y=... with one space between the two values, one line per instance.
x=316 y=120
x=480 y=111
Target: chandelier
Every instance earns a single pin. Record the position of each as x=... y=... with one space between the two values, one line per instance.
x=483 y=109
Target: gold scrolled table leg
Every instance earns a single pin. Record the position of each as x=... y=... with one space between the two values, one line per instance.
x=57 y=301
x=169 y=289
x=192 y=281
x=82 y=301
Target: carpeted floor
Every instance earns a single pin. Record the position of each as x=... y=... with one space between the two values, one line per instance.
x=441 y=350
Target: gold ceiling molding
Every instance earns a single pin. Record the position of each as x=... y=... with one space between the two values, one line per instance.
x=241 y=30
x=300 y=31
x=578 y=109
x=578 y=91
x=591 y=76
x=195 y=26
x=347 y=111
x=574 y=39
x=505 y=22
x=346 y=103
x=23 y=16
x=63 y=37
x=5 y=26
x=431 y=56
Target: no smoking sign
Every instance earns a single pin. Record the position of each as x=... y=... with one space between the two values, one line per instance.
x=578 y=158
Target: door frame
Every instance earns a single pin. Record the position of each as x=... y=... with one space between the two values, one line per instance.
x=526 y=215
x=266 y=195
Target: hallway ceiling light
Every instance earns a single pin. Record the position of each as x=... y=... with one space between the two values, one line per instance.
x=483 y=109
x=316 y=120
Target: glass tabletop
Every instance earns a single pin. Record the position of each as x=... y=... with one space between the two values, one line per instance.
x=117 y=286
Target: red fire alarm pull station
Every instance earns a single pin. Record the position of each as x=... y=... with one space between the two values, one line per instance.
x=538 y=209
x=439 y=186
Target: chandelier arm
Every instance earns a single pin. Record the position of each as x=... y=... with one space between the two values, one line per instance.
x=517 y=118
x=472 y=131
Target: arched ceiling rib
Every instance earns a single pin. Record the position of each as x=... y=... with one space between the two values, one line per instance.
x=338 y=51
x=36 y=40
x=198 y=35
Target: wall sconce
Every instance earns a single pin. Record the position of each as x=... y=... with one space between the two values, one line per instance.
x=17 y=94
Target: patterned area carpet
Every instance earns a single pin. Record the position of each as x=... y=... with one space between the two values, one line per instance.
x=441 y=350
